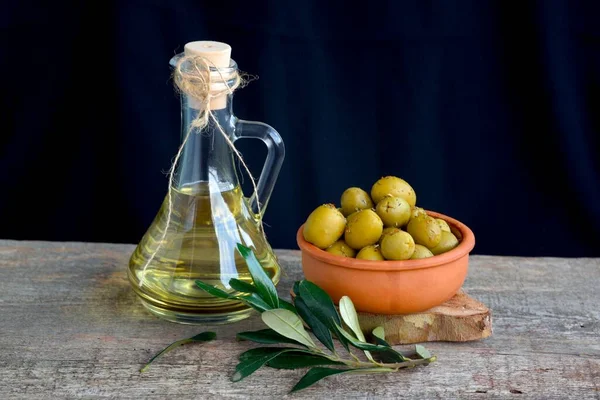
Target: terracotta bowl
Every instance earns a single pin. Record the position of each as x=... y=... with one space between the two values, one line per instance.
x=391 y=287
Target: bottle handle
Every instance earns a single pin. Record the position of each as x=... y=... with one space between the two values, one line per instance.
x=272 y=166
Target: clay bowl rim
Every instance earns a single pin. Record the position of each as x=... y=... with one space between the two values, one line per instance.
x=466 y=244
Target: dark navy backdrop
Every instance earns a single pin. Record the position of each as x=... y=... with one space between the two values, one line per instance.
x=487 y=108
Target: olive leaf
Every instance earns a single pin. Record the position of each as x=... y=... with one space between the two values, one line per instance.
x=287 y=305
x=252 y=360
x=318 y=329
x=321 y=306
x=351 y=319
x=256 y=302
x=319 y=302
x=316 y=374
x=265 y=336
x=258 y=352
x=242 y=286
x=202 y=337
x=379 y=332
x=357 y=343
x=379 y=336
x=250 y=365
x=253 y=299
x=422 y=352
x=391 y=354
x=293 y=360
x=287 y=324
x=214 y=290
x=264 y=284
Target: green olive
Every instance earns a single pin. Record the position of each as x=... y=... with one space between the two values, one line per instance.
x=354 y=199
x=443 y=225
x=421 y=252
x=397 y=246
x=372 y=252
x=447 y=243
x=393 y=186
x=393 y=211
x=364 y=228
x=340 y=248
x=416 y=211
x=324 y=226
x=387 y=231
x=425 y=230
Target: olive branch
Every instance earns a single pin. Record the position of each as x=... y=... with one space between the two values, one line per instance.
x=287 y=324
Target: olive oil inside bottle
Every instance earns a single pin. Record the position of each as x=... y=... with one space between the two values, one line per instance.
x=205 y=226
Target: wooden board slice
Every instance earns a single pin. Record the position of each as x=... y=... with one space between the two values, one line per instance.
x=460 y=319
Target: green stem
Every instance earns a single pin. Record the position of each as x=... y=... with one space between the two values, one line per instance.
x=396 y=366
x=380 y=364
x=361 y=364
x=356 y=359
x=410 y=363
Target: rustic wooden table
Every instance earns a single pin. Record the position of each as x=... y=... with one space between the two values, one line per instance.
x=71 y=327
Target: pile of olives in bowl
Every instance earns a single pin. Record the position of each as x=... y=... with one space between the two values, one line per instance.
x=383 y=225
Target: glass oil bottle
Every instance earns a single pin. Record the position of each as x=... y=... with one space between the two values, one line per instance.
x=209 y=214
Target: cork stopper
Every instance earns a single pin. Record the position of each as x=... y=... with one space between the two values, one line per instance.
x=217 y=53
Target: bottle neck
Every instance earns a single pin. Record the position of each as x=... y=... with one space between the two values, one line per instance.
x=207 y=159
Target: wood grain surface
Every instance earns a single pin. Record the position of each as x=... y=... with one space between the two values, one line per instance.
x=71 y=327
